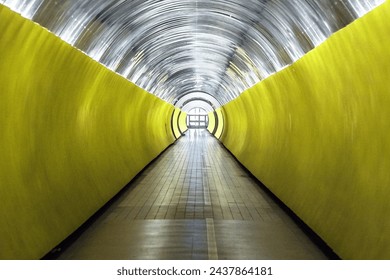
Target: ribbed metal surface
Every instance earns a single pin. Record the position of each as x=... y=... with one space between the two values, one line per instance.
x=175 y=47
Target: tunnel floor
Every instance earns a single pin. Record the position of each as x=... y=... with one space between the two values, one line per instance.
x=194 y=202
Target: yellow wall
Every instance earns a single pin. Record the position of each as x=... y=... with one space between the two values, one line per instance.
x=72 y=134
x=183 y=122
x=318 y=135
x=216 y=122
x=221 y=121
x=212 y=122
x=175 y=123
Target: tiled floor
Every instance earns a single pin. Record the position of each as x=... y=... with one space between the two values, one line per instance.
x=194 y=202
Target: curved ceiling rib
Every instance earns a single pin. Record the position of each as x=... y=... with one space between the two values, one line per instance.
x=176 y=47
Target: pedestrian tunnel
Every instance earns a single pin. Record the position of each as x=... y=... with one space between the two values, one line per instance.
x=92 y=92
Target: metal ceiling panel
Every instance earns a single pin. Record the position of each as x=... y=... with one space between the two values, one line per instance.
x=176 y=47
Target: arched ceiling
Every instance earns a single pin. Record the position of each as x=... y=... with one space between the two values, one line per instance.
x=176 y=47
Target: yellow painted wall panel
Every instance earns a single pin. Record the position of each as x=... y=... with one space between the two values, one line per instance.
x=216 y=121
x=317 y=135
x=183 y=122
x=175 y=123
x=221 y=121
x=212 y=123
x=73 y=133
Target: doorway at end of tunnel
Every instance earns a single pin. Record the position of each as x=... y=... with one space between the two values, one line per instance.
x=197 y=118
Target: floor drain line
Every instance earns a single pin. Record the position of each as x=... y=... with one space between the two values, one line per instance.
x=211 y=241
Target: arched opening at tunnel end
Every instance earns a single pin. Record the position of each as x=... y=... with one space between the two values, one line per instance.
x=202 y=113
x=197 y=118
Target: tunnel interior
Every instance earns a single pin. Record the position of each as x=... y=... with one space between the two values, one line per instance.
x=92 y=91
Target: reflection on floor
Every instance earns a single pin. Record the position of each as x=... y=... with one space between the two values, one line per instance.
x=194 y=202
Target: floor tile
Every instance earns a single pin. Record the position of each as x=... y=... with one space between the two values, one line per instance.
x=193 y=202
